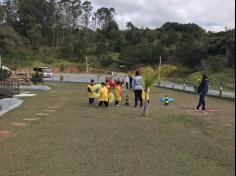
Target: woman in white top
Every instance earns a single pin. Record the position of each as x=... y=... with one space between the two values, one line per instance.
x=138 y=85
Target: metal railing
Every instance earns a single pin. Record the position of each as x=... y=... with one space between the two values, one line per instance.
x=191 y=88
x=9 y=87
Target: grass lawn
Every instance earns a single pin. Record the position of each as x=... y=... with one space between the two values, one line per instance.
x=82 y=140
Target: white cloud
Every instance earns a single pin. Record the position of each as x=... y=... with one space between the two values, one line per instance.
x=212 y=15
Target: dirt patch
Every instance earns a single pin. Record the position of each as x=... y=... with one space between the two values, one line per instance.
x=42 y=114
x=48 y=110
x=58 y=106
x=31 y=119
x=53 y=107
x=24 y=70
x=20 y=124
x=5 y=134
x=197 y=112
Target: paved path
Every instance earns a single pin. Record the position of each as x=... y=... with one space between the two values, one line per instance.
x=8 y=104
x=189 y=88
x=84 y=78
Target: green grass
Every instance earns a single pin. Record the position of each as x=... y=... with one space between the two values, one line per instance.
x=86 y=140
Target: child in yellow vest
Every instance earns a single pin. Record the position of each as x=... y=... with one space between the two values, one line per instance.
x=143 y=95
x=91 y=91
x=103 y=95
x=117 y=93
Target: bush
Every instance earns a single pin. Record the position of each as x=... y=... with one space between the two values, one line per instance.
x=214 y=64
x=48 y=61
x=106 y=60
x=195 y=79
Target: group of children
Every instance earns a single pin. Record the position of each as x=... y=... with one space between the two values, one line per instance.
x=104 y=93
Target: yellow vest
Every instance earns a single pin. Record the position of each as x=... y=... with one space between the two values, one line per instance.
x=104 y=94
x=93 y=91
x=118 y=93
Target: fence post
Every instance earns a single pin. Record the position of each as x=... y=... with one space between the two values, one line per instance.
x=18 y=87
x=221 y=88
x=12 y=88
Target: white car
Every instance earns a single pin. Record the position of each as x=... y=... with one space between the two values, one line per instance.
x=47 y=72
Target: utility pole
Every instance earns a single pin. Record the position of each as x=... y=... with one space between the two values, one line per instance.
x=160 y=64
x=159 y=71
x=86 y=59
x=0 y=61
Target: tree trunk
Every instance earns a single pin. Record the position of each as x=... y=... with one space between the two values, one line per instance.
x=145 y=107
x=57 y=38
x=53 y=37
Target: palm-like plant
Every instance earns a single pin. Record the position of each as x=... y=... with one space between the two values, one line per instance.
x=150 y=76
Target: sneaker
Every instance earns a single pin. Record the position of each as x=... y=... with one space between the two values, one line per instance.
x=196 y=109
x=117 y=105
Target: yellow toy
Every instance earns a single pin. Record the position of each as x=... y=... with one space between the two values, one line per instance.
x=143 y=95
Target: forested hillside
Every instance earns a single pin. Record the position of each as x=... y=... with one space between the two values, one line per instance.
x=48 y=30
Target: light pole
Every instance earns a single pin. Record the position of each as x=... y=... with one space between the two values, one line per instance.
x=0 y=61
x=159 y=71
x=86 y=59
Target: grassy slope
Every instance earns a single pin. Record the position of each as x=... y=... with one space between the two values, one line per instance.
x=86 y=140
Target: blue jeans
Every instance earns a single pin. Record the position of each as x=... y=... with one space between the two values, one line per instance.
x=201 y=102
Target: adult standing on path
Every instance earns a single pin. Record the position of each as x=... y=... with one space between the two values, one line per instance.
x=138 y=85
x=202 y=91
x=130 y=81
x=127 y=82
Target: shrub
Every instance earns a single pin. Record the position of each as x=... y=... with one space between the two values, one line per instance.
x=195 y=79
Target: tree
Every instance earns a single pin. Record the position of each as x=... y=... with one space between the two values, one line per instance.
x=149 y=76
x=103 y=17
x=79 y=50
x=72 y=10
x=35 y=34
x=164 y=71
x=130 y=26
x=87 y=9
x=2 y=13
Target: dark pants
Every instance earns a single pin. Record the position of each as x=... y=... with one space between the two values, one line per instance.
x=91 y=100
x=127 y=85
x=201 y=102
x=138 y=96
x=105 y=102
x=130 y=84
x=117 y=103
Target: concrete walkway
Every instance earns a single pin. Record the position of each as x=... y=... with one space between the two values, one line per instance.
x=8 y=104
x=188 y=88
x=85 y=78
x=82 y=78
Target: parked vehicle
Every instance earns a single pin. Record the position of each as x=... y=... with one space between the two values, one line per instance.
x=46 y=71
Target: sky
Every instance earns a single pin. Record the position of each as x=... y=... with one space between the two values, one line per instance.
x=212 y=15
